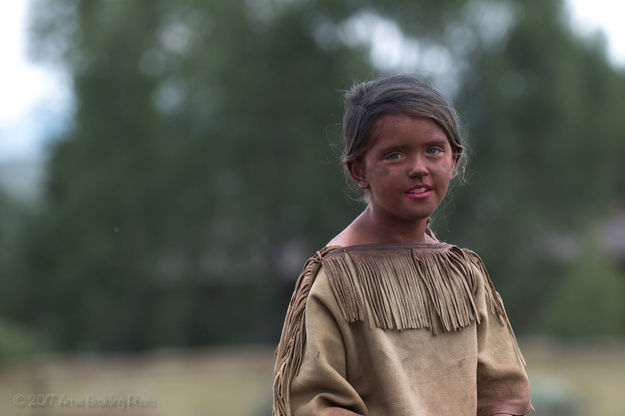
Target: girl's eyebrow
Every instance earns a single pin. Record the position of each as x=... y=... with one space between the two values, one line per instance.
x=392 y=147
x=400 y=146
x=437 y=142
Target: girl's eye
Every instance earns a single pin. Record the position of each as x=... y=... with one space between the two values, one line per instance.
x=434 y=151
x=393 y=156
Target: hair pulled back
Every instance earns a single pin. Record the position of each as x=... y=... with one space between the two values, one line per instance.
x=366 y=102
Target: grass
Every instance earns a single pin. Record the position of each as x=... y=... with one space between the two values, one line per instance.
x=234 y=381
x=589 y=373
x=237 y=381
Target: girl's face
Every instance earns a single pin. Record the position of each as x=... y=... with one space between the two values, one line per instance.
x=406 y=170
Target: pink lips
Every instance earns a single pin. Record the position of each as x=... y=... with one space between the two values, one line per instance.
x=421 y=191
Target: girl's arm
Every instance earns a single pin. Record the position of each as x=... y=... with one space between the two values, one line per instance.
x=502 y=383
x=320 y=385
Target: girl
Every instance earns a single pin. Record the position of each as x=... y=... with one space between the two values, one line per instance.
x=386 y=320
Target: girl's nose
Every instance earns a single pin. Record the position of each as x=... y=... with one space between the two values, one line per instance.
x=418 y=167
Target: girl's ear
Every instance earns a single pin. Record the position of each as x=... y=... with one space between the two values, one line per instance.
x=358 y=173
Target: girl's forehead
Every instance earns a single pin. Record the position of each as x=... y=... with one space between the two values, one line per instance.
x=403 y=125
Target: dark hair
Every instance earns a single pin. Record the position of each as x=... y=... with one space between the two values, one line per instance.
x=366 y=102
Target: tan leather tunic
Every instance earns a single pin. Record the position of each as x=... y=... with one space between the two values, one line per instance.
x=406 y=329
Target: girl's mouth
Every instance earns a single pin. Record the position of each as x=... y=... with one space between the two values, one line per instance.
x=421 y=191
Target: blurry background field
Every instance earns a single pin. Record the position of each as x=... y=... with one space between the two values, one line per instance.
x=584 y=378
x=188 y=165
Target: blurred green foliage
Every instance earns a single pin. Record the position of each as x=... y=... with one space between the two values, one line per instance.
x=200 y=170
x=590 y=298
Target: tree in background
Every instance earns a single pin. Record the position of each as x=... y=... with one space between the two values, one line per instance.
x=544 y=125
x=196 y=176
x=179 y=188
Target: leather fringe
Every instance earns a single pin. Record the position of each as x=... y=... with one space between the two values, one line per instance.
x=291 y=346
x=430 y=288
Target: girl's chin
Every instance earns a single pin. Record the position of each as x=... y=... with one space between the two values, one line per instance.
x=406 y=211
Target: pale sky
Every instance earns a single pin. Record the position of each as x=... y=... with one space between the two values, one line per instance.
x=606 y=15
x=33 y=97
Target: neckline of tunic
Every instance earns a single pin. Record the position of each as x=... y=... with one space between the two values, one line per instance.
x=389 y=246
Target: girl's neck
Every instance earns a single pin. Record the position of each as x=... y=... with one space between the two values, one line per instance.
x=369 y=228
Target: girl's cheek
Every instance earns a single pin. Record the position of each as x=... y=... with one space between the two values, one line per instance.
x=380 y=171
